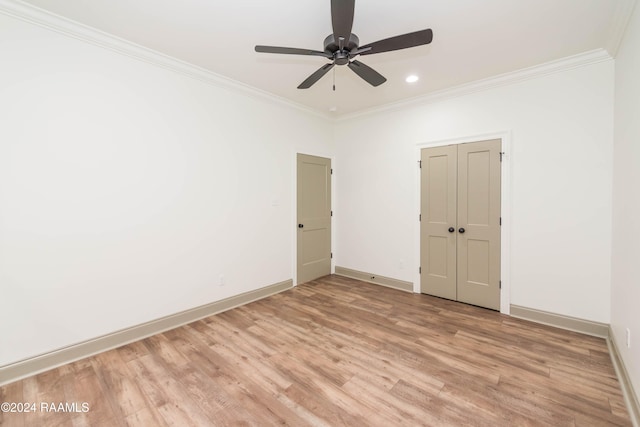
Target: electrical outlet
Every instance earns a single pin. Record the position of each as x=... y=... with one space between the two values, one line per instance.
x=628 y=338
x=221 y=283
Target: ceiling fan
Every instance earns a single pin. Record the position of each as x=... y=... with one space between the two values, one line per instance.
x=342 y=46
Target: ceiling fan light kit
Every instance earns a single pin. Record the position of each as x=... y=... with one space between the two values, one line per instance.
x=343 y=46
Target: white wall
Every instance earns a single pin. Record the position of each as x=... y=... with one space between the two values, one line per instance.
x=561 y=162
x=625 y=297
x=127 y=189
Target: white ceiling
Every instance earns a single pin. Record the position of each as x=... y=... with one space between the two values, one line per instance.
x=473 y=39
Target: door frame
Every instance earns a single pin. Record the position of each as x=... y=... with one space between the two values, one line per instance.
x=505 y=207
x=294 y=209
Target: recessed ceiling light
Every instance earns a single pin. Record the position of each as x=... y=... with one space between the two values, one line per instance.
x=333 y=109
x=412 y=78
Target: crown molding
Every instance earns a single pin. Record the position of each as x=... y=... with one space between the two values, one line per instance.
x=552 y=67
x=621 y=18
x=45 y=19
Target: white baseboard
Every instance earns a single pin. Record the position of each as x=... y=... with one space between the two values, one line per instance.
x=375 y=279
x=630 y=396
x=44 y=362
x=560 y=321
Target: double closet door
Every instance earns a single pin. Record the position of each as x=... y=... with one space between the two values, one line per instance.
x=460 y=223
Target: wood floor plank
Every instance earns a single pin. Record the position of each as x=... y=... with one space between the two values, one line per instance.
x=339 y=352
x=509 y=357
x=477 y=408
x=435 y=411
x=562 y=400
x=145 y=417
x=84 y=386
x=30 y=395
x=12 y=393
x=395 y=410
x=176 y=406
x=160 y=346
x=120 y=387
x=133 y=351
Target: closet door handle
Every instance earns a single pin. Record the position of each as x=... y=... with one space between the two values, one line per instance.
x=461 y=230
x=451 y=229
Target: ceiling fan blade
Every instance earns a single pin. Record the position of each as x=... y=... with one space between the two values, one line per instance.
x=359 y=51
x=310 y=81
x=342 y=19
x=370 y=75
x=292 y=51
x=417 y=38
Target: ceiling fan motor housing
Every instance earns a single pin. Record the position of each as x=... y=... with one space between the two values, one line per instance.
x=341 y=57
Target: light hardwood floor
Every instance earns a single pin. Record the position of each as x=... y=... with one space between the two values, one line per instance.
x=338 y=351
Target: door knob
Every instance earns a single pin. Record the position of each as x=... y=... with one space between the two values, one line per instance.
x=461 y=230
x=300 y=225
x=451 y=229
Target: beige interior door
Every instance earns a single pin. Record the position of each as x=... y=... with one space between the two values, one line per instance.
x=438 y=216
x=473 y=229
x=479 y=218
x=314 y=217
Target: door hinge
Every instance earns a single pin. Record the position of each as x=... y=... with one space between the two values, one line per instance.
x=331 y=255
x=501 y=154
x=332 y=214
x=500 y=284
x=332 y=169
x=420 y=164
x=420 y=270
x=500 y=220
x=420 y=217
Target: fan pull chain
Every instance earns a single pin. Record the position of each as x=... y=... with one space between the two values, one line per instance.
x=334 y=79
